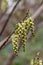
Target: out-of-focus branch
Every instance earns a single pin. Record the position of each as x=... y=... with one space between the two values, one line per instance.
x=7 y=19
x=3 y=42
x=38 y=11
x=0 y=8
x=10 y=58
x=3 y=13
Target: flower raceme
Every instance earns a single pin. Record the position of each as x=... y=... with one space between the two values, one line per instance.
x=21 y=33
x=36 y=60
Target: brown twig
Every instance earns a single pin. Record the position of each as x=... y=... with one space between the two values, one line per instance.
x=3 y=13
x=38 y=11
x=26 y=15
x=7 y=19
x=5 y=40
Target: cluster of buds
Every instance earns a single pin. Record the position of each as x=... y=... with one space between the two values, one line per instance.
x=36 y=60
x=15 y=44
x=29 y=24
x=21 y=33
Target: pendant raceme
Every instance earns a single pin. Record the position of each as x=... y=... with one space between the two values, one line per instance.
x=21 y=33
